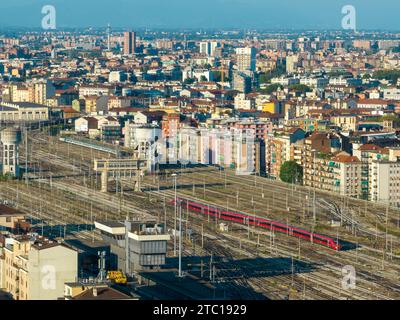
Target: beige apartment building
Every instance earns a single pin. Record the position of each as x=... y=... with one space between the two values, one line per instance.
x=95 y=104
x=36 y=268
x=345 y=122
x=340 y=174
x=36 y=92
x=21 y=93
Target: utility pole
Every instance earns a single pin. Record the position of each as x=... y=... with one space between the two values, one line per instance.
x=314 y=209
x=180 y=241
x=165 y=215
x=314 y=213
x=175 y=213
x=225 y=178
x=26 y=155
x=292 y=271
x=211 y=267
x=202 y=235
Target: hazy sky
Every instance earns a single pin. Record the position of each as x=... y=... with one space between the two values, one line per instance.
x=269 y=14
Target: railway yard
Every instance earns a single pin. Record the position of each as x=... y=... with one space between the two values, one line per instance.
x=62 y=192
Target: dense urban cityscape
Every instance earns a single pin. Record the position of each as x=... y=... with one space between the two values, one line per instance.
x=199 y=164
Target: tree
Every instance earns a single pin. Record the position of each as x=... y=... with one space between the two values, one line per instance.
x=203 y=79
x=343 y=73
x=396 y=50
x=280 y=70
x=271 y=88
x=391 y=75
x=302 y=88
x=189 y=81
x=217 y=76
x=6 y=177
x=291 y=172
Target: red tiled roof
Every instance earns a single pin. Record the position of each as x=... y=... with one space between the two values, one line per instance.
x=373 y=101
x=345 y=159
x=371 y=147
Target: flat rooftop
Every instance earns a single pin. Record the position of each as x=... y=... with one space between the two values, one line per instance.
x=9 y=211
x=22 y=105
x=169 y=285
x=111 y=224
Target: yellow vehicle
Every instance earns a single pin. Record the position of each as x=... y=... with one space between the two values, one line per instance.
x=117 y=277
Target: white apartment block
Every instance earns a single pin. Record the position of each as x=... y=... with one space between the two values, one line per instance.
x=244 y=103
x=314 y=82
x=229 y=148
x=285 y=81
x=384 y=184
x=246 y=59
x=116 y=76
x=99 y=90
x=391 y=94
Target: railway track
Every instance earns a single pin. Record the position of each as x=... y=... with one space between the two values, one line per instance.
x=288 y=251
x=321 y=284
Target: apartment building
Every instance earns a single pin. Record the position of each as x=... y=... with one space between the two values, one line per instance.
x=380 y=173
x=384 y=182
x=21 y=93
x=12 y=219
x=321 y=167
x=277 y=153
x=246 y=59
x=234 y=148
x=340 y=173
x=242 y=102
x=36 y=268
x=96 y=104
x=43 y=90
x=119 y=102
x=39 y=92
x=368 y=153
x=345 y=122
x=392 y=93
x=281 y=147
x=96 y=90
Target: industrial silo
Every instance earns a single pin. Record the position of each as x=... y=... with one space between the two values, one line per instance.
x=10 y=140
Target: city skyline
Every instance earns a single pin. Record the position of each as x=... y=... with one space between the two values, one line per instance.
x=286 y=14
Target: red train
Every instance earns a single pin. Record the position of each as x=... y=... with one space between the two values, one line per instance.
x=259 y=222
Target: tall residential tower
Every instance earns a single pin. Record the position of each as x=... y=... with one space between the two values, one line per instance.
x=129 y=42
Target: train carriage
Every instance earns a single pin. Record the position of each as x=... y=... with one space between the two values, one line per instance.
x=259 y=222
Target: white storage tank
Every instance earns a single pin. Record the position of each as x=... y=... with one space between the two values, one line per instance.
x=10 y=139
